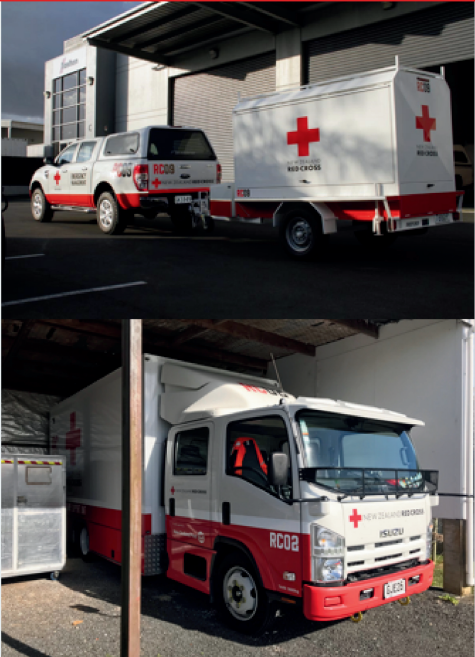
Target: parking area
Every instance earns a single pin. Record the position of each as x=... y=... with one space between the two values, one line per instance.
x=69 y=268
x=80 y=615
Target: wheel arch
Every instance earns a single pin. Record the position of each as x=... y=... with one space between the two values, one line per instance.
x=100 y=189
x=321 y=211
x=224 y=546
x=35 y=185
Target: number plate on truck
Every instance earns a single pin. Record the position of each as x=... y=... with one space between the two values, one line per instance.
x=443 y=218
x=394 y=588
x=182 y=199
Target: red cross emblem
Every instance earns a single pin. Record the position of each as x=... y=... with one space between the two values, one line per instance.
x=173 y=490
x=303 y=136
x=73 y=437
x=425 y=123
x=57 y=177
x=156 y=182
x=355 y=519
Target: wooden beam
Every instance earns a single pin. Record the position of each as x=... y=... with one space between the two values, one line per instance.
x=362 y=326
x=20 y=338
x=253 y=334
x=188 y=334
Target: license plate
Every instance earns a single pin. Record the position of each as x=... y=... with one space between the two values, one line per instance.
x=443 y=218
x=182 y=199
x=394 y=588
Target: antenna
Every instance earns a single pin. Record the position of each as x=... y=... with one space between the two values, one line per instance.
x=277 y=372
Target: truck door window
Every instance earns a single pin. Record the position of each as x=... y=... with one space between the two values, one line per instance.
x=250 y=443
x=191 y=451
x=85 y=152
x=67 y=156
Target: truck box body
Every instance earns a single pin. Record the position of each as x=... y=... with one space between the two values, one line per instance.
x=373 y=146
x=211 y=442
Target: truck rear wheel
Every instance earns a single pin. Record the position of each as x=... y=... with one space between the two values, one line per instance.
x=111 y=218
x=84 y=544
x=40 y=208
x=301 y=232
x=242 y=603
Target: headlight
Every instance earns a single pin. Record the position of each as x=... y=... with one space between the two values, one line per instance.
x=326 y=542
x=429 y=540
x=328 y=570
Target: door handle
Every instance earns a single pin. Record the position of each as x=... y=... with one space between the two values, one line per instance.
x=64 y=171
x=84 y=169
x=184 y=175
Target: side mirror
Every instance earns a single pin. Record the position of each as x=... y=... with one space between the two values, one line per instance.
x=278 y=469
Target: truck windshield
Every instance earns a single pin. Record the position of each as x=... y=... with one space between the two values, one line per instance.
x=351 y=453
x=179 y=145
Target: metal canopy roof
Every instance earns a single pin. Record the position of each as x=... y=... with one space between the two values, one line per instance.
x=157 y=31
x=62 y=356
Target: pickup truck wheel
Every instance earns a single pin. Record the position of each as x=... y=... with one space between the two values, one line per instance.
x=40 y=208
x=111 y=219
x=241 y=602
x=366 y=237
x=301 y=233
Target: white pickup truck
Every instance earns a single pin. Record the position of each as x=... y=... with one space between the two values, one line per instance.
x=145 y=171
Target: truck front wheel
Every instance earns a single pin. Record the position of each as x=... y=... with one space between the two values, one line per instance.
x=40 y=208
x=301 y=233
x=242 y=603
x=111 y=218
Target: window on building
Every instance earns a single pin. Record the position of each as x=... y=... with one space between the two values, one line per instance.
x=69 y=109
x=191 y=451
x=250 y=443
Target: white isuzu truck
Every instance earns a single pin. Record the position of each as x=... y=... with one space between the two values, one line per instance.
x=145 y=171
x=374 y=149
x=252 y=496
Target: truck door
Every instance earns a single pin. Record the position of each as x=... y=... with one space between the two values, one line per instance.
x=80 y=175
x=258 y=515
x=58 y=182
x=188 y=489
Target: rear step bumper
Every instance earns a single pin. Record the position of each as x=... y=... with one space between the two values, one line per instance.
x=323 y=603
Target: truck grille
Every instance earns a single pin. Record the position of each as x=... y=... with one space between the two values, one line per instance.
x=382 y=570
x=372 y=554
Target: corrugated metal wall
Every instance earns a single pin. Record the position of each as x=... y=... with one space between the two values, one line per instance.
x=437 y=35
x=206 y=100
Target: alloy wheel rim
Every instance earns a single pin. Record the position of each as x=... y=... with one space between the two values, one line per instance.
x=37 y=205
x=105 y=214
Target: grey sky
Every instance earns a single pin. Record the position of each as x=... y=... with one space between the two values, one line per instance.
x=33 y=32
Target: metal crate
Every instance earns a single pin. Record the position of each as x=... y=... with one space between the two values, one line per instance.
x=33 y=514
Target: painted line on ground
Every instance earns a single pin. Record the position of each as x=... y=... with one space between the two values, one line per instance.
x=71 y=294
x=31 y=255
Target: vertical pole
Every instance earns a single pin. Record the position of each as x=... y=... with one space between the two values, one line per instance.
x=131 y=486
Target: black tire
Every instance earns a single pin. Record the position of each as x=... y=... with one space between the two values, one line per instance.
x=301 y=232
x=181 y=220
x=111 y=218
x=40 y=208
x=237 y=584
x=365 y=236
x=86 y=554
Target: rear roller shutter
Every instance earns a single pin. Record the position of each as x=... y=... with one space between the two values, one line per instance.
x=429 y=37
x=206 y=100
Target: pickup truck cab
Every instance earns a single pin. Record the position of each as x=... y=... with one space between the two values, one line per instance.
x=145 y=171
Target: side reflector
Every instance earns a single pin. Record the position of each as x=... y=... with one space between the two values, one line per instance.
x=290 y=577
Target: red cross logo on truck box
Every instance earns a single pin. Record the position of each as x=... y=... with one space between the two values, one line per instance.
x=425 y=123
x=303 y=136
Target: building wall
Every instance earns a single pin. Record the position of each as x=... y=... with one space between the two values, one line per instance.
x=415 y=368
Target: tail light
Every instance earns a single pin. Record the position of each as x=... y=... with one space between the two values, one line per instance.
x=219 y=173
x=141 y=176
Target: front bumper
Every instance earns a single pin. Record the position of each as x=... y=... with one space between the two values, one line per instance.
x=323 y=603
